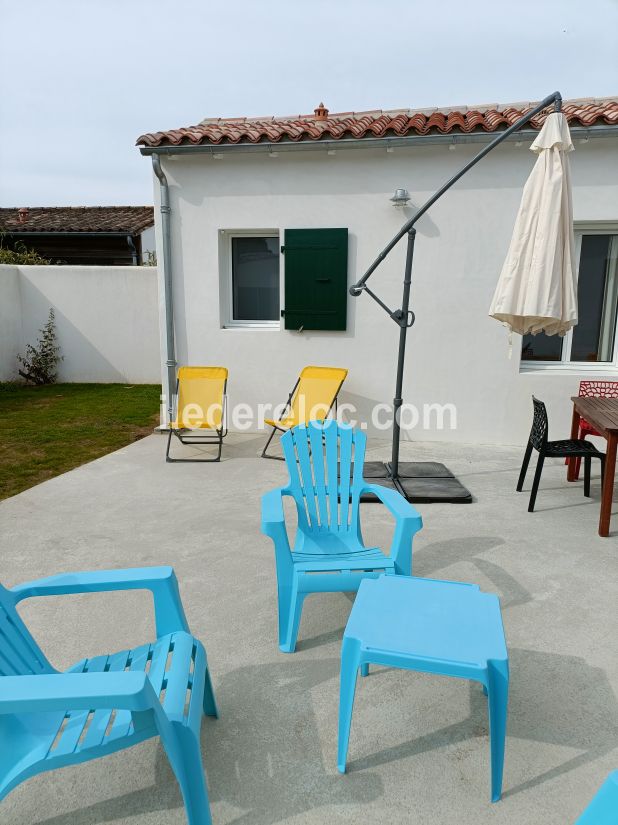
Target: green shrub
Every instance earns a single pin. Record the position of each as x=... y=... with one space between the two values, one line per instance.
x=20 y=255
x=40 y=362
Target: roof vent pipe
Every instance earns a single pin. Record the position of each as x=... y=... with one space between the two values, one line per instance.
x=170 y=353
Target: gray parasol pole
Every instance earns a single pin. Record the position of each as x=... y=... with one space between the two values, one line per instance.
x=403 y=316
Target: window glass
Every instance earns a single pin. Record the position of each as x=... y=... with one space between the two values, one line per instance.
x=593 y=338
x=255 y=279
x=541 y=347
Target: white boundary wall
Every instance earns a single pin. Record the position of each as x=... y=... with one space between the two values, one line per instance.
x=106 y=320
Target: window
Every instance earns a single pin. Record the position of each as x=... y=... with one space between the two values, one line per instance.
x=593 y=341
x=252 y=274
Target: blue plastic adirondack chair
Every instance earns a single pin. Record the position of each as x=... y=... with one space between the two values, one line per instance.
x=603 y=810
x=325 y=462
x=105 y=704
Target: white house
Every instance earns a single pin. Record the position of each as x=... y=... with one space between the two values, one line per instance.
x=233 y=189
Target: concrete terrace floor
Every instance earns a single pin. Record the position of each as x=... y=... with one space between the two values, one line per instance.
x=419 y=747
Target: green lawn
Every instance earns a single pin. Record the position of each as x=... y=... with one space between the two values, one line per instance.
x=45 y=431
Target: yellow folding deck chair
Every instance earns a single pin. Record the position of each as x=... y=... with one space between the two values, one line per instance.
x=312 y=398
x=200 y=405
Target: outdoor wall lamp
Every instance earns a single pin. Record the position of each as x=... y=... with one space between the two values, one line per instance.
x=401 y=197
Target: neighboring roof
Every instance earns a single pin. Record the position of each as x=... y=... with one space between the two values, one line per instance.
x=129 y=219
x=376 y=124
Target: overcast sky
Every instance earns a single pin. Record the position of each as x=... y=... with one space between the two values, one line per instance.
x=81 y=79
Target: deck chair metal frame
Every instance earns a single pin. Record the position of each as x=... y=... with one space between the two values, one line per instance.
x=197 y=439
x=288 y=406
x=50 y=719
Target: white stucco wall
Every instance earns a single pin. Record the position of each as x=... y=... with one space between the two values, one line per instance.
x=456 y=354
x=148 y=243
x=10 y=319
x=106 y=320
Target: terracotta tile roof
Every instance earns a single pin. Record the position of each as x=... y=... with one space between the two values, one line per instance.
x=129 y=219
x=376 y=124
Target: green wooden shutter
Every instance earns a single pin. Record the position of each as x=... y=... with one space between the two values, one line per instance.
x=316 y=278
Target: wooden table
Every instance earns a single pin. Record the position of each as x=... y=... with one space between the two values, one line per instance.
x=602 y=414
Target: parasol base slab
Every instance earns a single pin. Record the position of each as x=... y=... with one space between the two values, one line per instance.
x=428 y=490
x=375 y=470
x=422 y=482
x=421 y=469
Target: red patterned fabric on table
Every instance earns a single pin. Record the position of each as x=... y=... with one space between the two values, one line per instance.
x=595 y=389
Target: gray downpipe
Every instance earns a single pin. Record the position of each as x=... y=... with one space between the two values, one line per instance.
x=131 y=245
x=170 y=348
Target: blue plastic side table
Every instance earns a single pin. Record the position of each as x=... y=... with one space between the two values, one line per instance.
x=449 y=628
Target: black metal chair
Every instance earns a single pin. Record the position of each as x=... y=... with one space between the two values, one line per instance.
x=568 y=448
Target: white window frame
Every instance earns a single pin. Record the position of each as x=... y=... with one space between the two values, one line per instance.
x=577 y=367
x=225 y=278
